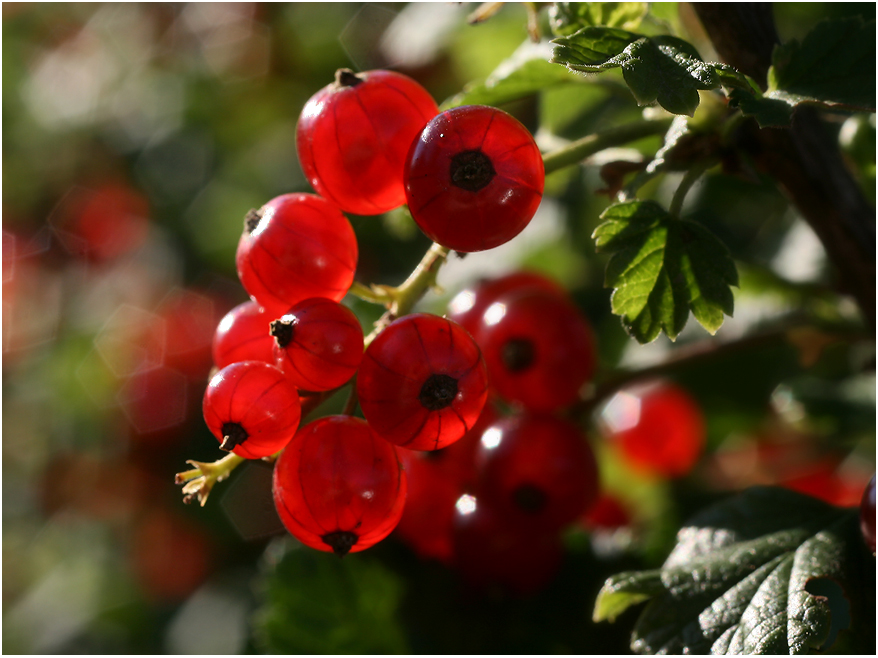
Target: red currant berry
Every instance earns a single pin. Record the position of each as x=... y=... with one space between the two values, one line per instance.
x=492 y=551
x=318 y=344
x=243 y=335
x=867 y=515
x=422 y=383
x=252 y=409
x=659 y=428
x=353 y=136
x=468 y=306
x=429 y=508
x=539 y=349
x=295 y=247
x=538 y=470
x=473 y=178
x=337 y=487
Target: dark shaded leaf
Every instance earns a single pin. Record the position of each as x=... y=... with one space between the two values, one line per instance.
x=663 y=69
x=755 y=574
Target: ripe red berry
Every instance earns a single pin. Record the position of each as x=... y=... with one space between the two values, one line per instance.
x=539 y=349
x=474 y=178
x=422 y=383
x=468 y=306
x=337 y=487
x=538 y=470
x=318 y=344
x=867 y=515
x=243 y=335
x=295 y=247
x=353 y=136
x=252 y=409
x=659 y=428
x=490 y=551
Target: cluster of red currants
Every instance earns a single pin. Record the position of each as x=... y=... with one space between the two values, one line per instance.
x=472 y=178
x=493 y=504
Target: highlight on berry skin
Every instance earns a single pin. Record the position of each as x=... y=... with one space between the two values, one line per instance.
x=252 y=409
x=474 y=178
x=354 y=134
x=423 y=383
x=337 y=487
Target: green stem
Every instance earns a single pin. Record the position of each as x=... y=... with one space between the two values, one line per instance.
x=367 y=294
x=577 y=151
x=686 y=184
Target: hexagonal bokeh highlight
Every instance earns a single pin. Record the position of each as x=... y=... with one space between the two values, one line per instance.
x=154 y=399
x=131 y=340
x=248 y=502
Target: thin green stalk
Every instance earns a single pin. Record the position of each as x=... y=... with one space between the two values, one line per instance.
x=577 y=151
x=689 y=179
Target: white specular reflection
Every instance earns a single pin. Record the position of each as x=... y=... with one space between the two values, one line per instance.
x=462 y=302
x=622 y=412
x=491 y=438
x=494 y=314
x=466 y=504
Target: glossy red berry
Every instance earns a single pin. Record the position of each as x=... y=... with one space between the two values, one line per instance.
x=468 y=306
x=353 y=136
x=422 y=383
x=538 y=470
x=867 y=515
x=337 y=487
x=243 y=335
x=492 y=552
x=659 y=428
x=539 y=349
x=295 y=247
x=318 y=344
x=474 y=178
x=252 y=409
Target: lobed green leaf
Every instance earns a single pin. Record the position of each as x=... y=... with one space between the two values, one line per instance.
x=662 y=69
x=662 y=268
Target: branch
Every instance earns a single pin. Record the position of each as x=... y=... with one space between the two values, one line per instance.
x=805 y=161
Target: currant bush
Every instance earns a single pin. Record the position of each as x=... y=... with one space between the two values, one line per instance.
x=473 y=178
x=252 y=409
x=337 y=487
x=318 y=344
x=354 y=134
x=295 y=247
x=422 y=383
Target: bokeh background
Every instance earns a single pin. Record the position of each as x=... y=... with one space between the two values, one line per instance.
x=135 y=139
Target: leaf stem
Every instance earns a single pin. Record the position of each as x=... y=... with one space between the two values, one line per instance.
x=689 y=179
x=577 y=151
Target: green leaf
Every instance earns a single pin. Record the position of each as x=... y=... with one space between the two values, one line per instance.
x=661 y=69
x=526 y=72
x=624 y=590
x=565 y=18
x=754 y=574
x=662 y=268
x=768 y=112
x=833 y=66
x=317 y=603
